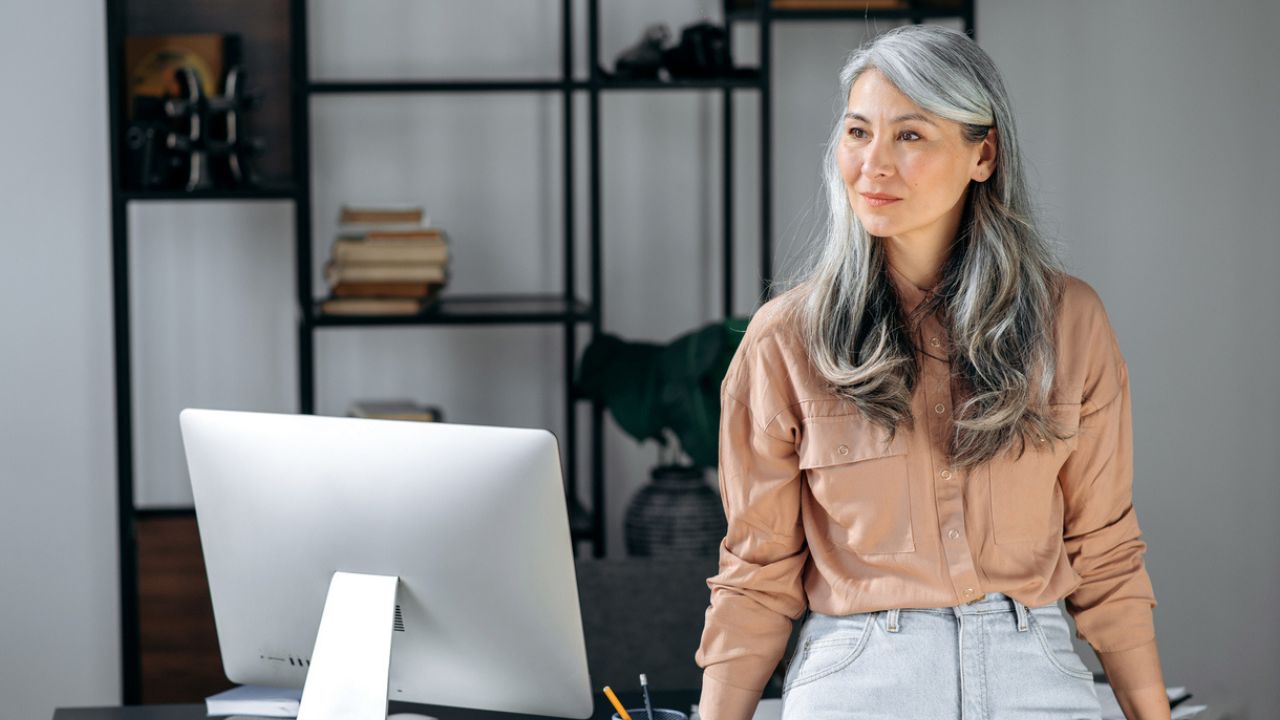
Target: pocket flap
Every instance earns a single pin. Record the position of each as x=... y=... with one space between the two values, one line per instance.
x=844 y=439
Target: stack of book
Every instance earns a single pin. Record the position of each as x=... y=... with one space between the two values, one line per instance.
x=385 y=261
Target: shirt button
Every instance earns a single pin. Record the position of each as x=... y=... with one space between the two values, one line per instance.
x=953 y=534
x=939 y=407
x=843 y=449
x=968 y=591
x=934 y=342
x=946 y=474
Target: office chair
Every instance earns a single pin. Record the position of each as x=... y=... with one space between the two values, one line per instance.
x=645 y=615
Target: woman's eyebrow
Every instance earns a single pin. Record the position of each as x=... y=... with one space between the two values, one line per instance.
x=900 y=118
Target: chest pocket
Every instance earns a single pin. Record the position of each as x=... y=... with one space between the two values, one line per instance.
x=860 y=479
x=1026 y=502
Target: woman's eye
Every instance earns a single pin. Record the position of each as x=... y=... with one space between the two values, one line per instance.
x=859 y=133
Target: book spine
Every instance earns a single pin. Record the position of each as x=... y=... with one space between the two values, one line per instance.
x=385 y=289
x=419 y=234
x=356 y=253
x=380 y=215
x=351 y=306
x=337 y=273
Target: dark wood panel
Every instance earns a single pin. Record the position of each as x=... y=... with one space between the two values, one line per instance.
x=180 y=659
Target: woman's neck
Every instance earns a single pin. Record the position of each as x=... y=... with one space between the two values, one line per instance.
x=922 y=266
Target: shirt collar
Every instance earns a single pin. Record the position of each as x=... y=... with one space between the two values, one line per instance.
x=909 y=293
x=932 y=338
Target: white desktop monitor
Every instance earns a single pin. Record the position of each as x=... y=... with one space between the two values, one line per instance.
x=472 y=521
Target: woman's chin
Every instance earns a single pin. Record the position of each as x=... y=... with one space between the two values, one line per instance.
x=876 y=226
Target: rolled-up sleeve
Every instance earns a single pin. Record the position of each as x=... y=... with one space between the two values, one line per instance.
x=758 y=591
x=1112 y=607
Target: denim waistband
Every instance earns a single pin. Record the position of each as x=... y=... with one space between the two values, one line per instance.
x=991 y=602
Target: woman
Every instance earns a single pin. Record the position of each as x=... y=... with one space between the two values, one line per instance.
x=927 y=441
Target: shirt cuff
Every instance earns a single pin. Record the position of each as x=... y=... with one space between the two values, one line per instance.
x=1133 y=669
x=720 y=701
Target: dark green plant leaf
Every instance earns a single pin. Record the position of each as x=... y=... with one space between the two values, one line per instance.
x=650 y=387
x=623 y=375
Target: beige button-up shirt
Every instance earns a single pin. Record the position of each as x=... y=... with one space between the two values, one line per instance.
x=825 y=512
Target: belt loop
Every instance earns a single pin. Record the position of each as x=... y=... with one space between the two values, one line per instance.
x=893 y=620
x=1021 y=611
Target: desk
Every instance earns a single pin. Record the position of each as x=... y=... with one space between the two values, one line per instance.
x=675 y=699
x=678 y=700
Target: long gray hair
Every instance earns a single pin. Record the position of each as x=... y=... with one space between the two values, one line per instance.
x=998 y=287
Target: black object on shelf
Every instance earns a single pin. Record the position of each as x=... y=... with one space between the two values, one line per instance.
x=286 y=176
x=208 y=162
x=192 y=141
x=703 y=52
x=643 y=60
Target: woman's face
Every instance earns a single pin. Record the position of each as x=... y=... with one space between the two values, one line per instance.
x=891 y=147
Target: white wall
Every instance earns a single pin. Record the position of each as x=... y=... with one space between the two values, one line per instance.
x=1145 y=125
x=59 y=609
x=1151 y=129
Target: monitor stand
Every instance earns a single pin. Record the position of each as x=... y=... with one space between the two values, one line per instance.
x=351 y=662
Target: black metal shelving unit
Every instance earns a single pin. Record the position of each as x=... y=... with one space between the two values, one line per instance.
x=562 y=309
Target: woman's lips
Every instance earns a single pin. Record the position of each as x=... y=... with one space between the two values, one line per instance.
x=879 y=200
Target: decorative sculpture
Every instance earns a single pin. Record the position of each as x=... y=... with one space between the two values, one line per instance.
x=193 y=141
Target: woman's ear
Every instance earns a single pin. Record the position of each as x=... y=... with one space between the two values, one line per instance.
x=986 y=165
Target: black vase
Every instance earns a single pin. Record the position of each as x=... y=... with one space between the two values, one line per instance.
x=675 y=515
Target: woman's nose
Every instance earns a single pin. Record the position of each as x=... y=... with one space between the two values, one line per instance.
x=876 y=159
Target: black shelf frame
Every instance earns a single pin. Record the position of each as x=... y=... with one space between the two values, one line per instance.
x=453 y=309
x=262 y=193
x=356 y=87
x=373 y=87
x=475 y=310
x=564 y=309
x=918 y=13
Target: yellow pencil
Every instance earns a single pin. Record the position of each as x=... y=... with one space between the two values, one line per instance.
x=622 y=712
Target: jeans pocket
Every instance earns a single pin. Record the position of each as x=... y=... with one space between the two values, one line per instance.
x=1054 y=635
x=828 y=644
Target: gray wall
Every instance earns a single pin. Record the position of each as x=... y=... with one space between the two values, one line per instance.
x=58 y=572
x=1145 y=125
x=1151 y=129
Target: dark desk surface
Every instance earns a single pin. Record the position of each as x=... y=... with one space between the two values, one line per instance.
x=676 y=699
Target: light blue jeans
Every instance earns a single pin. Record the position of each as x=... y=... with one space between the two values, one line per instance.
x=994 y=659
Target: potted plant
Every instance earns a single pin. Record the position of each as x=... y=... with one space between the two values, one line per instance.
x=669 y=393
